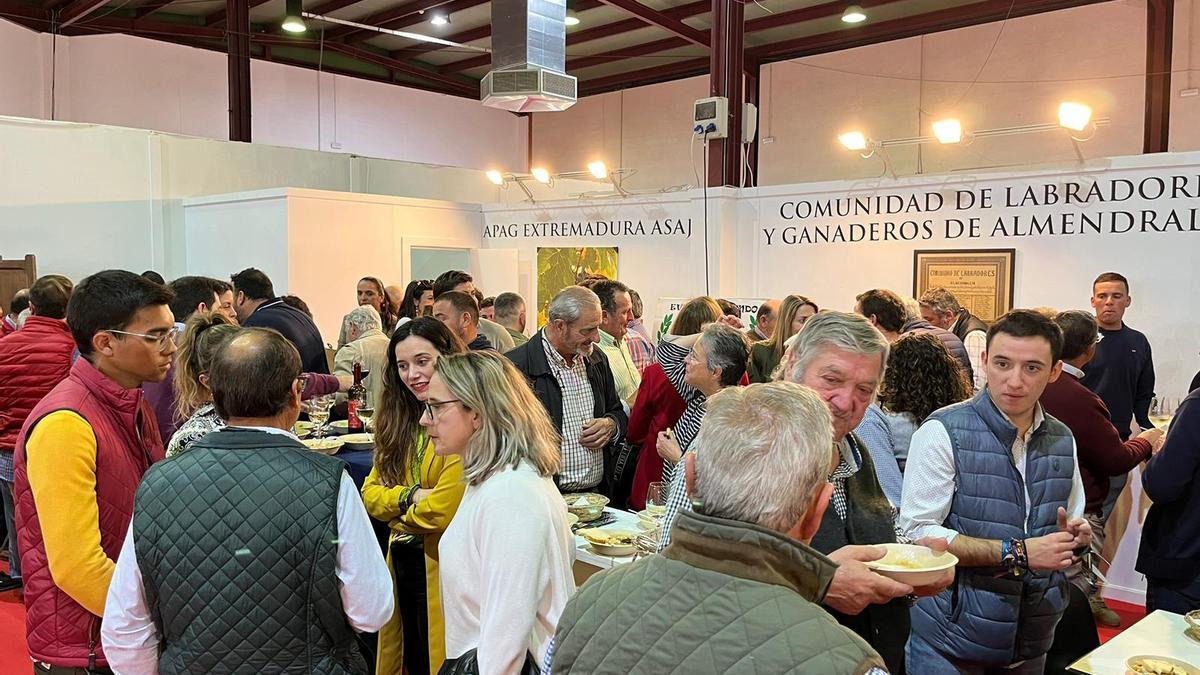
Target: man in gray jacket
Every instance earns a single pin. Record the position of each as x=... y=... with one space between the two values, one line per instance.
x=738 y=566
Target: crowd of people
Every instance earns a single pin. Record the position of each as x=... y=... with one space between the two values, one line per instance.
x=162 y=516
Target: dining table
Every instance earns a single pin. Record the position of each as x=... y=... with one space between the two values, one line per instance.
x=1159 y=634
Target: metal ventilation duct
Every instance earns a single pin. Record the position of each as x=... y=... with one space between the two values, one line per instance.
x=529 y=57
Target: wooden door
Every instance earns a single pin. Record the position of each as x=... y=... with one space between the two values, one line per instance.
x=15 y=275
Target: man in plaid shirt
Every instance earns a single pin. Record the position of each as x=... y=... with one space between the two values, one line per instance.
x=638 y=340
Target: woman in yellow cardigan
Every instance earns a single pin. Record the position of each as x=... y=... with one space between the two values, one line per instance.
x=416 y=492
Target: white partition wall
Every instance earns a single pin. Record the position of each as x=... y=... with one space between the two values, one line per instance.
x=317 y=244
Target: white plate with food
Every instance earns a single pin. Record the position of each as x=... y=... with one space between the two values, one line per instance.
x=359 y=441
x=616 y=543
x=913 y=565
x=325 y=446
x=1159 y=665
x=340 y=427
x=588 y=505
x=303 y=429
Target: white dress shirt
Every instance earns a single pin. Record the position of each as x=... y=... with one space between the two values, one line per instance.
x=131 y=638
x=976 y=345
x=930 y=480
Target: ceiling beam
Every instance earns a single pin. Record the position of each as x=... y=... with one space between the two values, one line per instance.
x=664 y=73
x=661 y=20
x=218 y=17
x=919 y=24
x=770 y=21
x=148 y=9
x=79 y=9
x=386 y=18
x=1160 y=27
x=591 y=34
x=477 y=33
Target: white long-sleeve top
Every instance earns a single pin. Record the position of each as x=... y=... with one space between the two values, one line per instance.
x=131 y=638
x=506 y=569
x=930 y=480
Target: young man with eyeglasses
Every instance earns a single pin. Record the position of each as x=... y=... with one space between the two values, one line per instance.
x=79 y=458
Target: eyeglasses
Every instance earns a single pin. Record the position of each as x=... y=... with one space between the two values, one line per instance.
x=432 y=407
x=164 y=342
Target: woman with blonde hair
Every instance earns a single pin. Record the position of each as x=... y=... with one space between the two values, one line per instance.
x=766 y=355
x=203 y=336
x=508 y=552
x=416 y=492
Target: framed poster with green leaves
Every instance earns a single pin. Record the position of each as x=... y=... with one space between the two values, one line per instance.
x=559 y=267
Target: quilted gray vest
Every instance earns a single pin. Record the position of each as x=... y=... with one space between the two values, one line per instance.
x=236 y=543
x=725 y=598
x=988 y=617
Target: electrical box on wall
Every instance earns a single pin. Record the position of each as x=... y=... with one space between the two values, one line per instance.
x=711 y=117
x=749 y=122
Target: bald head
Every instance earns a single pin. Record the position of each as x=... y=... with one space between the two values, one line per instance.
x=254 y=376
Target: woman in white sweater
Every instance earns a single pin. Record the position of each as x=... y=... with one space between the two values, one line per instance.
x=506 y=557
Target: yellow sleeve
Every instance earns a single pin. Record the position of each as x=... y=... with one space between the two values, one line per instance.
x=435 y=512
x=382 y=502
x=60 y=458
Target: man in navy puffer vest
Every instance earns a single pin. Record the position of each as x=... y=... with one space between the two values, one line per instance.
x=997 y=478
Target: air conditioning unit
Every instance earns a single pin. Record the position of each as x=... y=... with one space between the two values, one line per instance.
x=528 y=90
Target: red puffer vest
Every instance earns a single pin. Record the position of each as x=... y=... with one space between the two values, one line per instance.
x=59 y=630
x=32 y=361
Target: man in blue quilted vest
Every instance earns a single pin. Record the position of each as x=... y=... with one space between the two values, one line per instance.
x=998 y=479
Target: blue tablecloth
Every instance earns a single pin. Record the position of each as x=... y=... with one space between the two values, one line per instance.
x=358 y=463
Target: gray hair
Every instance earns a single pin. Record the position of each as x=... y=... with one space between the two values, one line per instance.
x=363 y=318
x=508 y=305
x=726 y=348
x=840 y=330
x=912 y=308
x=570 y=302
x=761 y=454
x=941 y=301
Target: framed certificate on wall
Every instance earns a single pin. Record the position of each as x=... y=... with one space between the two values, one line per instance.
x=981 y=279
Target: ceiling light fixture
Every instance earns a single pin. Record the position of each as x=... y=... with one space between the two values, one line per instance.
x=293 y=22
x=541 y=175
x=1074 y=116
x=572 y=19
x=853 y=140
x=440 y=20
x=496 y=177
x=598 y=169
x=854 y=14
x=948 y=132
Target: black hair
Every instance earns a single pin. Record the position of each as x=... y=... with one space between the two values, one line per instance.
x=155 y=277
x=20 y=302
x=255 y=284
x=607 y=290
x=887 y=308
x=450 y=280
x=461 y=302
x=412 y=297
x=1079 y=332
x=109 y=300
x=1025 y=323
x=189 y=293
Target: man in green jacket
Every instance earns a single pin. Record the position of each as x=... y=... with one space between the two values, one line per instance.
x=737 y=591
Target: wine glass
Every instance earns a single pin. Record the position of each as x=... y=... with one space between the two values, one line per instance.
x=318 y=412
x=656 y=498
x=365 y=413
x=1160 y=411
